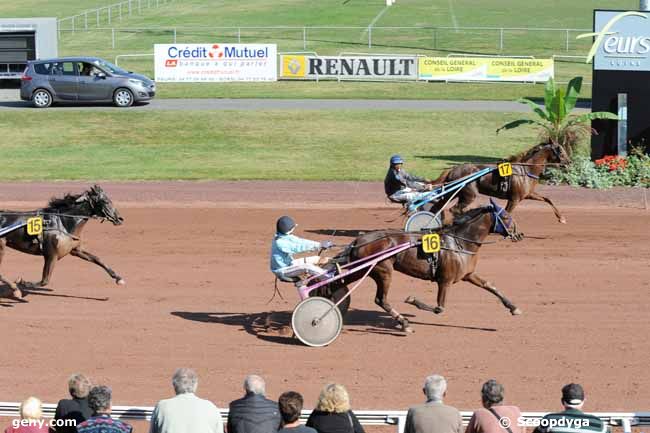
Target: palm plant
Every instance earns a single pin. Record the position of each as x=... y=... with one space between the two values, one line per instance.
x=557 y=124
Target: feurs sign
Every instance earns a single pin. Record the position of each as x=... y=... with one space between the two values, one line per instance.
x=622 y=41
x=350 y=67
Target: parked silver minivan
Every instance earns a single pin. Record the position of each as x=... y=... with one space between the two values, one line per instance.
x=80 y=79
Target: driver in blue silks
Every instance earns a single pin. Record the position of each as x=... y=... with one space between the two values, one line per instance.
x=285 y=245
x=402 y=187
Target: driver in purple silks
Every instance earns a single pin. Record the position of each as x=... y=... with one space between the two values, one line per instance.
x=402 y=187
x=285 y=245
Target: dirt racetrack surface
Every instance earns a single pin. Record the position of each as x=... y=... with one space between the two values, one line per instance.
x=195 y=258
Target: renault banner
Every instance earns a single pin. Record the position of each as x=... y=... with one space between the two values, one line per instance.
x=349 y=67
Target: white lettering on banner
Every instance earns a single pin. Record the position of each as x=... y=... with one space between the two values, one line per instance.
x=215 y=62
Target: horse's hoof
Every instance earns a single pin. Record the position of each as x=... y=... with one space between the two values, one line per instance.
x=17 y=294
x=120 y=282
x=410 y=300
x=409 y=330
x=438 y=310
x=563 y=220
x=516 y=312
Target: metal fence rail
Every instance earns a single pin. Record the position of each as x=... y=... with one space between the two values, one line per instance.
x=106 y=14
x=366 y=417
x=415 y=37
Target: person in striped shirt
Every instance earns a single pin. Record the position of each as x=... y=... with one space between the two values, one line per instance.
x=572 y=419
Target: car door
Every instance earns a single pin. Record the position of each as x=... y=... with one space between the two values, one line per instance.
x=94 y=84
x=63 y=80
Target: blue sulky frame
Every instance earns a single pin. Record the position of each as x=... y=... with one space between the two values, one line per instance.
x=11 y=228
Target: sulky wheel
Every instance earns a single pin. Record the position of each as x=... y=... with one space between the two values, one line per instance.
x=422 y=220
x=316 y=321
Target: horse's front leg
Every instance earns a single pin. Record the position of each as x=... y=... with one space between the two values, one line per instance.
x=537 y=197
x=16 y=293
x=484 y=284
x=382 y=278
x=85 y=255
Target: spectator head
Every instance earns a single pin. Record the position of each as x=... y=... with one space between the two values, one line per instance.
x=78 y=386
x=99 y=399
x=491 y=393
x=435 y=387
x=31 y=408
x=573 y=396
x=185 y=381
x=333 y=398
x=290 y=404
x=254 y=384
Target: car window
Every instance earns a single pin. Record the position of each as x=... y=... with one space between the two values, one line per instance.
x=64 y=68
x=87 y=69
x=43 y=68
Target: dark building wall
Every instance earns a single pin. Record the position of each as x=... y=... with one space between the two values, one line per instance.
x=606 y=87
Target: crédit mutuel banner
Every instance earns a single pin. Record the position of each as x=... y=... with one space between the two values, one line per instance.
x=621 y=41
x=215 y=62
x=349 y=67
x=485 y=69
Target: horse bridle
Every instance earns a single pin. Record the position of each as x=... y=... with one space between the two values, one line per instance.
x=512 y=234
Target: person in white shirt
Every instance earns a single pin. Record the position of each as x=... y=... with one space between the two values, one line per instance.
x=185 y=413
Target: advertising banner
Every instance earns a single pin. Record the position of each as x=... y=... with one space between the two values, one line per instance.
x=621 y=41
x=349 y=67
x=485 y=69
x=215 y=62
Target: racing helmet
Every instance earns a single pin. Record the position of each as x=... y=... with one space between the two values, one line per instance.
x=396 y=159
x=285 y=225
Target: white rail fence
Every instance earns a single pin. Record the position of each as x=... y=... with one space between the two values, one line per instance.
x=107 y=14
x=625 y=420
x=415 y=37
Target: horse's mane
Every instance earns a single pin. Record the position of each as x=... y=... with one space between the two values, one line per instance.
x=66 y=202
x=526 y=154
x=464 y=218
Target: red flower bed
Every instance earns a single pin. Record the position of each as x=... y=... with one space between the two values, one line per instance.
x=612 y=162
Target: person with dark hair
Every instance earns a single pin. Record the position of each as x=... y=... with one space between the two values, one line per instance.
x=290 y=404
x=572 y=418
x=495 y=417
x=99 y=400
x=77 y=408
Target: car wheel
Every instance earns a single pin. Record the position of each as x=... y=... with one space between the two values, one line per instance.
x=41 y=98
x=123 y=98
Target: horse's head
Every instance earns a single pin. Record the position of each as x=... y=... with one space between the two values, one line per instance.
x=559 y=154
x=503 y=223
x=100 y=205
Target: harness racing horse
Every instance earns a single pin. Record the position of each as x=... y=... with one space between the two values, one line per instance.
x=456 y=260
x=526 y=169
x=63 y=222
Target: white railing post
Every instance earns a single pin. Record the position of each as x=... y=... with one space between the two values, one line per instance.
x=174 y=34
x=304 y=38
x=129 y=7
x=73 y=24
x=120 y=6
x=501 y=39
x=86 y=20
x=109 y=16
x=239 y=35
x=139 y=7
x=369 y=36
x=97 y=17
x=113 y=37
x=567 y=39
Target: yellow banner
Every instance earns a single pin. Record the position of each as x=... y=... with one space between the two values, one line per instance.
x=294 y=66
x=484 y=69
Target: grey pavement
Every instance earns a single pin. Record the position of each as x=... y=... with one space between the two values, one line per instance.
x=10 y=100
